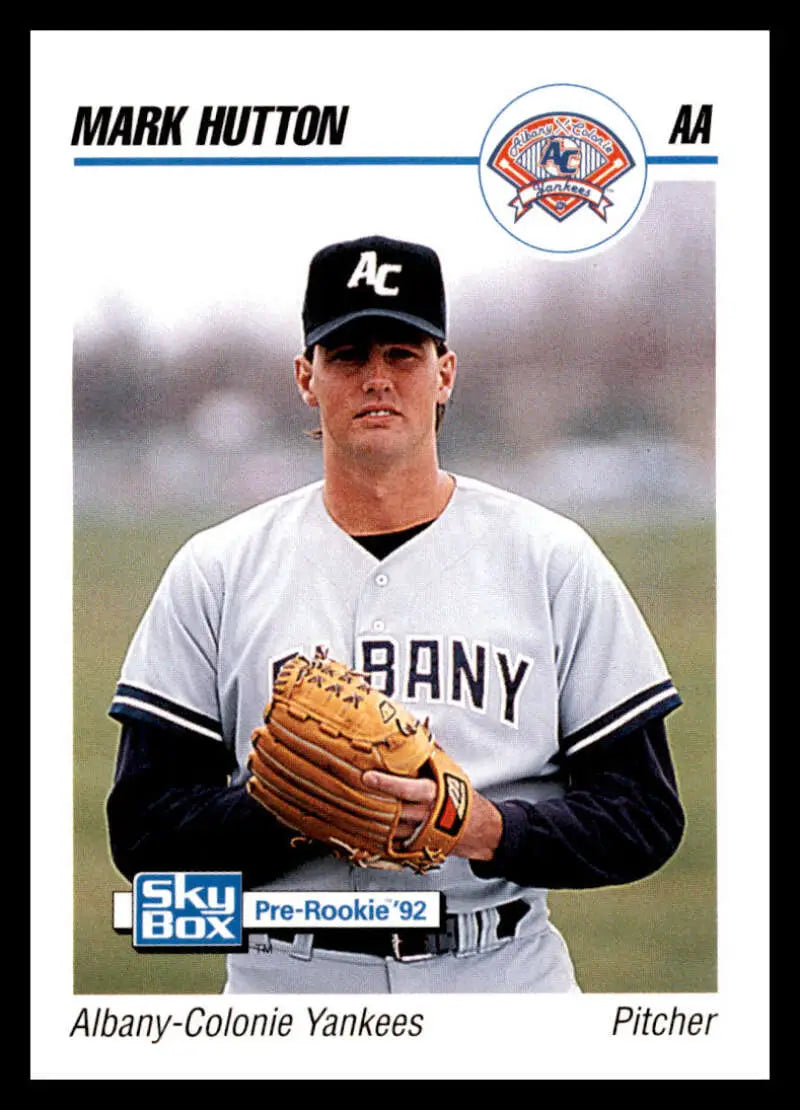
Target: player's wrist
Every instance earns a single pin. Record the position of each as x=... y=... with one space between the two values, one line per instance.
x=484 y=831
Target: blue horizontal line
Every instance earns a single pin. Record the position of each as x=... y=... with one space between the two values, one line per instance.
x=287 y=161
x=682 y=159
x=325 y=160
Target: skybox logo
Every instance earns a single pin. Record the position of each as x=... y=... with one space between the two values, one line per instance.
x=563 y=168
x=187 y=909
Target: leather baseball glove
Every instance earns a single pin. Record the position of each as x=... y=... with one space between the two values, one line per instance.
x=325 y=726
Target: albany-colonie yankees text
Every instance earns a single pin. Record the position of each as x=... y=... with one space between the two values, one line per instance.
x=320 y=1021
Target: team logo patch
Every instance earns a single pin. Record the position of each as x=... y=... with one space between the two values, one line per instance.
x=563 y=169
x=454 y=807
x=561 y=162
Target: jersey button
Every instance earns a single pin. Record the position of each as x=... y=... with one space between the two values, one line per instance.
x=378 y=626
x=382 y=579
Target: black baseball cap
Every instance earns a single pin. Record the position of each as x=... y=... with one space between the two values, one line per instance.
x=378 y=277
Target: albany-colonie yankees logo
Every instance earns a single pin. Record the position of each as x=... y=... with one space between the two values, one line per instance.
x=426 y=669
x=560 y=162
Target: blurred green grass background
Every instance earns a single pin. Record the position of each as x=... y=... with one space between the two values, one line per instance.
x=658 y=935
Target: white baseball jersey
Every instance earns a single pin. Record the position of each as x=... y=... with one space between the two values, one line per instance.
x=502 y=621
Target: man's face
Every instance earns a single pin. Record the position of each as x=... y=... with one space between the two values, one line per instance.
x=377 y=388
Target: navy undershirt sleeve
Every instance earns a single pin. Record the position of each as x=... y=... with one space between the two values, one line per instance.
x=620 y=819
x=171 y=809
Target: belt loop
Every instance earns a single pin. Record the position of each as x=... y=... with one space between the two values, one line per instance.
x=302 y=946
x=489 y=920
x=467 y=934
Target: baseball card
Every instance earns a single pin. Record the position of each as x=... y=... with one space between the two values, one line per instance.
x=397 y=396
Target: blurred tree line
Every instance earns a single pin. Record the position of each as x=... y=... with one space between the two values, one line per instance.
x=621 y=342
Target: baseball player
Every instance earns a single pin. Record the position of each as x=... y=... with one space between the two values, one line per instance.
x=495 y=617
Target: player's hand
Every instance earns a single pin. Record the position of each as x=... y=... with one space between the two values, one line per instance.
x=484 y=825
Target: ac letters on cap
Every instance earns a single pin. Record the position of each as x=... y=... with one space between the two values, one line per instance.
x=368 y=270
